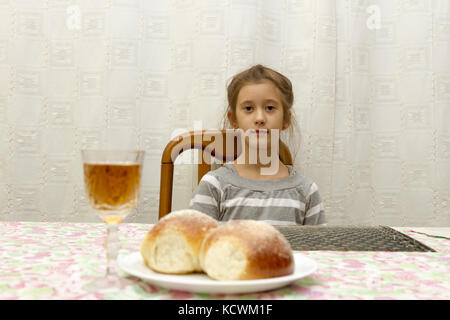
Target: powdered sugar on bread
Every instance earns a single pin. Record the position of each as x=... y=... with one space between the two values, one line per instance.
x=172 y=245
x=265 y=250
x=188 y=241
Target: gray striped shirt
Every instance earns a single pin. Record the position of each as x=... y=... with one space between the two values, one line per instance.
x=225 y=195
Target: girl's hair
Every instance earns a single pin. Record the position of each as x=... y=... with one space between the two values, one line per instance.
x=257 y=74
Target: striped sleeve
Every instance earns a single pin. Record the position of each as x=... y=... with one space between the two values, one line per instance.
x=314 y=211
x=207 y=196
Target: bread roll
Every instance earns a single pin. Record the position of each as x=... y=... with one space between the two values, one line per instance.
x=246 y=250
x=172 y=245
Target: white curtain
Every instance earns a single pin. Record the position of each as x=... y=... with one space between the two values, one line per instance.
x=371 y=81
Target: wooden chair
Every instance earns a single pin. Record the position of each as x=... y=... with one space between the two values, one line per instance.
x=223 y=145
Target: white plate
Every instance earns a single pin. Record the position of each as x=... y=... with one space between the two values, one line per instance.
x=200 y=282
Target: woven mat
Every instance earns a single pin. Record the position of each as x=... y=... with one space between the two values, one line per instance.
x=349 y=238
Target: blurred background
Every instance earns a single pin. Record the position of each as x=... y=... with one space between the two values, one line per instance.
x=371 y=82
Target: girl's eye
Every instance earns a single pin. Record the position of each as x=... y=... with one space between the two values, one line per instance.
x=270 y=108
x=248 y=108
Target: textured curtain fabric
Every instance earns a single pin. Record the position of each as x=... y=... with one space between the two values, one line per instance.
x=390 y=138
x=371 y=82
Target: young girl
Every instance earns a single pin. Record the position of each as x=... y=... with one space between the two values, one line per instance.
x=259 y=104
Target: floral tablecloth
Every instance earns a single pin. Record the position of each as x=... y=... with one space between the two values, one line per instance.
x=53 y=260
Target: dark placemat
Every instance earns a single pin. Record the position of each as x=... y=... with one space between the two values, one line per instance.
x=349 y=238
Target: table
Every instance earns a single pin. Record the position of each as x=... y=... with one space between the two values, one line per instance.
x=52 y=260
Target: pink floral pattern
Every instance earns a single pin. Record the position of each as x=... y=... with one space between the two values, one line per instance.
x=53 y=260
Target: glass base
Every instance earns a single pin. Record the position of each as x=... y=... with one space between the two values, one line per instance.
x=107 y=283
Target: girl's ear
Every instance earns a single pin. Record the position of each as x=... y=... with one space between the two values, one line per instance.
x=232 y=119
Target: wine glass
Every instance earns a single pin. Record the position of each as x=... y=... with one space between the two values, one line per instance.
x=112 y=180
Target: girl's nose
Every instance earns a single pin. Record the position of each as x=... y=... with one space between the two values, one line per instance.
x=260 y=118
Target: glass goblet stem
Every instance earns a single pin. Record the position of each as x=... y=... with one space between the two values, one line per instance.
x=112 y=249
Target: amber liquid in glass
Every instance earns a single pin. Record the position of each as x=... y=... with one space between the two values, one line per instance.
x=113 y=189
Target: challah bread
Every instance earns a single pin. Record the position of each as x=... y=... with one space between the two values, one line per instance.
x=246 y=250
x=172 y=245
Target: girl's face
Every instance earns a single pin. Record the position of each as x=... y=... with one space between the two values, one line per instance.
x=259 y=109
x=259 y=106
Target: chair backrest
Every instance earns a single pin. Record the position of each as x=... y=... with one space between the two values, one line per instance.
x=223 y=145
